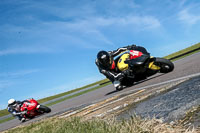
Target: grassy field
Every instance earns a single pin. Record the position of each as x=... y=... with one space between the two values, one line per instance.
x=78 y=125
x=3 y=112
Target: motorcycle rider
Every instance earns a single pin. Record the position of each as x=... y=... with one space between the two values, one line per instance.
x=107 y=66
x=14 y=108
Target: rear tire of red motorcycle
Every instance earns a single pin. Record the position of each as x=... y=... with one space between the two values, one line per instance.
x=165 y=64
x=45 y=109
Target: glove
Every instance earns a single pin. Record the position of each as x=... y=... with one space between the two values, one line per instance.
x=24 y=112
x=103 y=71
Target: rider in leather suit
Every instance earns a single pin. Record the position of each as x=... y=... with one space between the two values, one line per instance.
x=107 y=66
x=14 y=108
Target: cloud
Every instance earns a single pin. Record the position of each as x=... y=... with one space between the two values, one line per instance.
x=9 y=76
x=144 y=22
x=83 y=25
x=55 y=36
x=72 y=10
x=18 y=73
x=186 y=17
x=147 y=22
x=4 y=84
x=25 y=50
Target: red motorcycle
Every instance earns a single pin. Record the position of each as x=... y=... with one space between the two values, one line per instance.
x=33 y=108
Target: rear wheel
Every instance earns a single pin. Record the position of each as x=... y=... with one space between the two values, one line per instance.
x=44 y=109
x=164 y=64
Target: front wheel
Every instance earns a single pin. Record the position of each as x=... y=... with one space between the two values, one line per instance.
x=164 y=64
x=44 y=109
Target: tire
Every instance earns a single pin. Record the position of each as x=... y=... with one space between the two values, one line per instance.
x=165 y=65
x=44 y=109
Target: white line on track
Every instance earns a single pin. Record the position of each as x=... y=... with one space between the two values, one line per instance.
x=162 y=83
x=165 y=82
x=173 y=80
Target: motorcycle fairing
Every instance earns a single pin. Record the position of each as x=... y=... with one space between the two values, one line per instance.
x=127 y=55
x=30 y=107
x=135 y=54
x=120 y=64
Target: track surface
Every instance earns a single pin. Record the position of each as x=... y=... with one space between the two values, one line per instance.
x=183 y=67
x=169 y=106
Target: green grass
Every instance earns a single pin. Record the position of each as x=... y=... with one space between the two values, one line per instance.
x=69 y=92
x=78 y=125
x=184 y=51
x=3 y=112
x=78 y=94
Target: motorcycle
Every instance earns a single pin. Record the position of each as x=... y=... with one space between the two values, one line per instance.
x=139 y=66
x=32 y=108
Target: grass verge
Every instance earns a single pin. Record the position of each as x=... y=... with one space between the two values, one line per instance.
x=3 y=112
x=79 y=125
x=192 y=117
x=71 y=91
x=78 y=94
x=184 y=51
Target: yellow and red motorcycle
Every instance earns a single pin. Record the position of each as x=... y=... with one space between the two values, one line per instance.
x=139 y=66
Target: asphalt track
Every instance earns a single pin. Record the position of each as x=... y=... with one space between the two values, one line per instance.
x=169 y=106
x=183 y=68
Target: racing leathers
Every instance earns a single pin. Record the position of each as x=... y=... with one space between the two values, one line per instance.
x=113 y=73
x=15 y=110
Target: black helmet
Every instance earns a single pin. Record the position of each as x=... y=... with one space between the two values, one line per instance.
x=105 y=59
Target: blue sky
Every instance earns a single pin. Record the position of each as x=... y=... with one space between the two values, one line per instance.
x=47 y=47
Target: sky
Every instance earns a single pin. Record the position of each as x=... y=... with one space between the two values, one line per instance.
x=48 y=47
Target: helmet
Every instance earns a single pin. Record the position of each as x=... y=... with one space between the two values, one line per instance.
x=104 y=59
x=11 y=102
